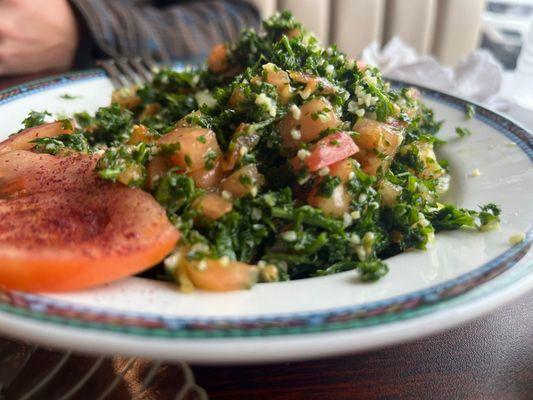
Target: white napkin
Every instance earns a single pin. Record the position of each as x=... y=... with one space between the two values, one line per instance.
x=478 y=77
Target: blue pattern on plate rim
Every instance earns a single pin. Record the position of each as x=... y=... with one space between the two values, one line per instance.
x=388 y=310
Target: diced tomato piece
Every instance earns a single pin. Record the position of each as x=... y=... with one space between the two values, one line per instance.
x=157 y=167
x=215 y=275
x=193 y=146
x=280 y=79
x=208 y=178
x=315 y=116
x=335 y=205
x=378 y=142
x=140 y=134
x=126 y=97
x=65 y=229
x=389 y=192
x=236 y=98
x=245 y=139
x=312 y=83
x=218 y=59
x=213 y=206
x=328 y=150
x=361 y=65
x=343 y=169
x=197 y=153
x=243 y=181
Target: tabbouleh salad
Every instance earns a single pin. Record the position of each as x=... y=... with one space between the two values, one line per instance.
x=278 y=160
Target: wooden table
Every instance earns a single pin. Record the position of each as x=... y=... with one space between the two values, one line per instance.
x=489 y=358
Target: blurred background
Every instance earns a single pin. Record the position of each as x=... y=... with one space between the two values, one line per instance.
x=448 y=29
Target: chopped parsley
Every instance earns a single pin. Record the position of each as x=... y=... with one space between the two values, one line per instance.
x=470 y=111
x=66 y=96
x=126 y=164
x=327 y=186
x=35 y=118
x=76 y=142
x=188 y=160
x=245 y=180
x=462 y=132
x=209 y=160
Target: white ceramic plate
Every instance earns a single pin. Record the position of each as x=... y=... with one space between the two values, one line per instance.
x=461 y=276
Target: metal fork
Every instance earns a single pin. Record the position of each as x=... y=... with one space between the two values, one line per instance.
x=31 y=373
x=127 y=72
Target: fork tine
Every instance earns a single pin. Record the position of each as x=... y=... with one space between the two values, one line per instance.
x=150 y=64
x=164 y=60
x=116 y=380
x=47 y=378
x=10 y=370
x=133 y=78
x=189 y=384
x=129 y=72
x=150 y=375
x=83 y=380
x=117 y=78
x=141 y=69
x=202 y=394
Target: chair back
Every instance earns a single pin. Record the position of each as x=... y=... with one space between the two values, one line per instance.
x=449 y=29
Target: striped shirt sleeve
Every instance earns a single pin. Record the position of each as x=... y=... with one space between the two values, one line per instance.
x=177 y=31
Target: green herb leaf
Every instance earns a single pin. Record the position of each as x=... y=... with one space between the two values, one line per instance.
x=462 y=132
x=470 y=111
x=35 y=118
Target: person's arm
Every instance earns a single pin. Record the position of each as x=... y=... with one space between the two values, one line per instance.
x=178 y=30
x=36 y=35
x=55 y=35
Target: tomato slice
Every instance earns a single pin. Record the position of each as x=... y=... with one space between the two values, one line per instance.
x=23 y=139
x=328 y=150
x=64 y=229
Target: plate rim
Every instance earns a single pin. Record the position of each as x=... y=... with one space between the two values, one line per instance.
x=373 y=313
x=454 y=312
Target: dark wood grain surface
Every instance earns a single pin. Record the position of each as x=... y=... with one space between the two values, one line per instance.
x=489 y=358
